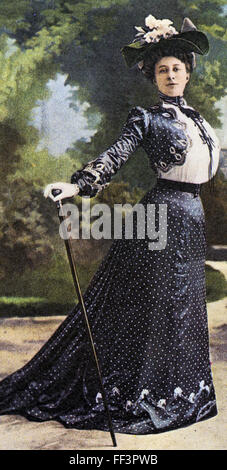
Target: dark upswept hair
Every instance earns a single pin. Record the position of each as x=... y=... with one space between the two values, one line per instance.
x=151 y=59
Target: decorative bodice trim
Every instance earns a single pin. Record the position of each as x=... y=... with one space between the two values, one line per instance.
x=196 y=117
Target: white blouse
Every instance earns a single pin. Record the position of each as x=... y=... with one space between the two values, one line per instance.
x=196 y=167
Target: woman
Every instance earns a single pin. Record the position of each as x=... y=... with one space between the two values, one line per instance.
x=146 y=306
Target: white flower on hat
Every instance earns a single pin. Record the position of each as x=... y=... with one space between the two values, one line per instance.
x=158 y=29
x=152 y=36
x=151 y=22
x=166 y=30
x=165 y=23
x=141 y=31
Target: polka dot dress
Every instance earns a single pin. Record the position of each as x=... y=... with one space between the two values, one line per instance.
x=148 y=316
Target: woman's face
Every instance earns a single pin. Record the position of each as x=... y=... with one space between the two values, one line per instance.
x=171 y=76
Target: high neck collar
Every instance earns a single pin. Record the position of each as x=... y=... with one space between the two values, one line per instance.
x=176 y=100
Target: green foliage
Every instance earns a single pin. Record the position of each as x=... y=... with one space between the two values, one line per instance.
x=215 y=207
x=39 y=167
x=24 y=230
x=58 y=287
x=12 y=13
x=206 y=89
x=82 y=39
x=23 y=75
x=119 y=193
x=216 y=284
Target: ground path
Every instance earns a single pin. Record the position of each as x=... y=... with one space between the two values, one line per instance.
x=21 y=338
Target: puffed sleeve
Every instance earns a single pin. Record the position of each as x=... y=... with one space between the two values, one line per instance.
x=96 y=174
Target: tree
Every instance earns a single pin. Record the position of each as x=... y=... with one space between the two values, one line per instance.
x=85 y=38
x=90 y=55
x=82 y=40
x=24 y=225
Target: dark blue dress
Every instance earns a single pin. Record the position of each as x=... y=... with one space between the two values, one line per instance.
x=147 y=307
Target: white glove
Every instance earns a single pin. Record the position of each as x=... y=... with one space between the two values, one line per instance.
x=67 y=190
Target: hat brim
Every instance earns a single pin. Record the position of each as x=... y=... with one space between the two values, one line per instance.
x=190 y=41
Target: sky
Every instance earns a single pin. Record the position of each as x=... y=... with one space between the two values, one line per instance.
x=60 y=125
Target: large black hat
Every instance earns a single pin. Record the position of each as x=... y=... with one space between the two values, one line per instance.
x=160 y=34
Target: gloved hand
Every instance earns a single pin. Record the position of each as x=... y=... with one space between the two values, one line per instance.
x=67 y=190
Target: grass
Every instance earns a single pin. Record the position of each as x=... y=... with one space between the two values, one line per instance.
x=10 y=306
x=21 y=301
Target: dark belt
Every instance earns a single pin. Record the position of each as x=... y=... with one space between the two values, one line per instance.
x=179 y=186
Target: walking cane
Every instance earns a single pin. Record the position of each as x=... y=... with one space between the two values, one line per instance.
x=72 y=263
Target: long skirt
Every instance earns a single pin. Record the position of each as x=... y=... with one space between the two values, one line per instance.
x=148 y=316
